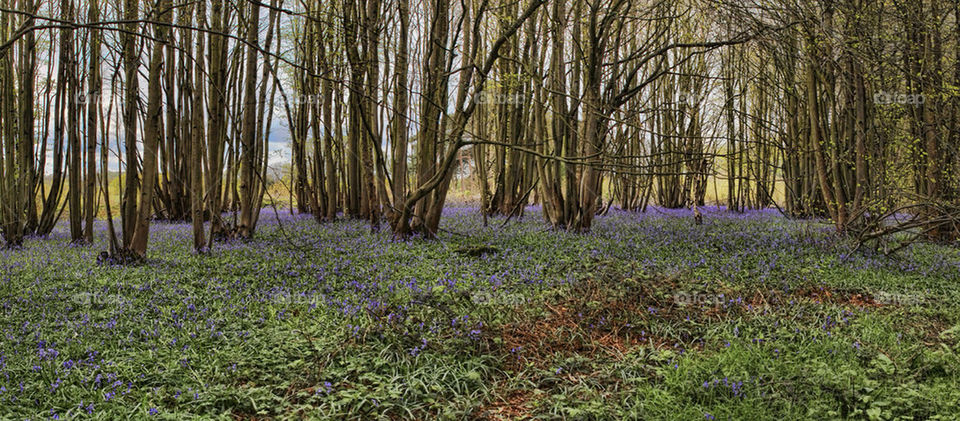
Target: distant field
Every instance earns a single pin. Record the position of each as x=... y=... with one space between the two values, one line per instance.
x=462 y=191
x=748 y=316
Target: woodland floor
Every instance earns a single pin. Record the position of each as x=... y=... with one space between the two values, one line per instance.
x=748 y=316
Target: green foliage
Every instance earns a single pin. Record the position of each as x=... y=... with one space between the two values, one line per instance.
x=330 y=321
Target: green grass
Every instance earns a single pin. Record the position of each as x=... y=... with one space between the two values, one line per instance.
x=332 y=322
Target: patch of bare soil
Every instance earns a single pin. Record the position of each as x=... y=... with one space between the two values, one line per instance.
x=514 y=406
x=592 y=320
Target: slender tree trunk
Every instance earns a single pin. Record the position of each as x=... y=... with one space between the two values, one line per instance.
x=131 y=63
x=68 y=74
x=401 y=108
x=248 y=135
x=152 y=131
x=197 y=139
x=93 y=110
